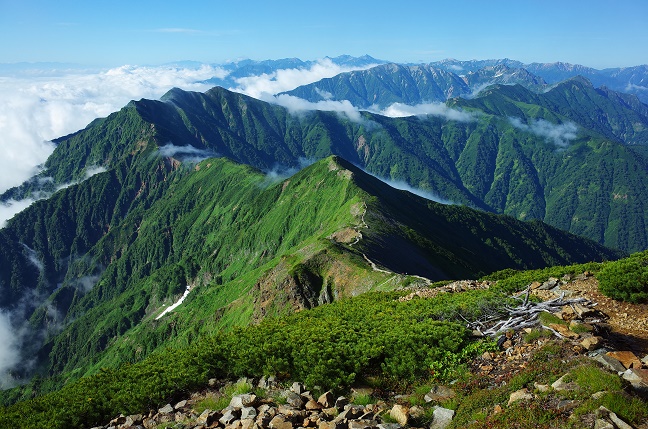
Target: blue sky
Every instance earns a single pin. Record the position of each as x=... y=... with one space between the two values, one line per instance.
x=111 y=33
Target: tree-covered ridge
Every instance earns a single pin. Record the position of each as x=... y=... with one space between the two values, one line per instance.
x=528 y=155
x=386 y=84
x=512 y=160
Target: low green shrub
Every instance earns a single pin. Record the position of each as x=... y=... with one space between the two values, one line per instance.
x=626 y=279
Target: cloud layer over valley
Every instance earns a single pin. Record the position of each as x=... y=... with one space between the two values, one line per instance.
x=43 y=106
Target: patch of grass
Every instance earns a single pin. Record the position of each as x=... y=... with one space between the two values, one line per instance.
x=594 y=379
x=238 y=388
x=362 y=399
x=209 y=403
x=630 y=409
x=548 y=353
x=387 y=418
x=548 y=318
x=535 y=335
x=580 y=328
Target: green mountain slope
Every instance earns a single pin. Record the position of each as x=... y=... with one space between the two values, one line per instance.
x=616 y=116
x=511 y=151
x=386 y=84
x=117 y=247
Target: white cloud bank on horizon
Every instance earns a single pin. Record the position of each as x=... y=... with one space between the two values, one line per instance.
x=266 y=85
x=37 y=109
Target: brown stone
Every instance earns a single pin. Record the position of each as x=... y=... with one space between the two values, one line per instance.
x=278 y=422
x=627 y=359
x=327 y=399
x=313 y=405
x=519 y=395
x=591 y=343
x=331 y=425
x=400 y=414
x=440 y=393
x=564 y=331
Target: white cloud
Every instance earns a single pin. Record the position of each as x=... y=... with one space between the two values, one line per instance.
x=297 y=105
x=10 y=208
x=559 y=134
x=631 y=86
x=186 y=153
x=400 y=110
x=94 y=170
x=324 y=94
x=280 y=172
x=287 y=79
x=9 y=352
x=41 y=107
x=429 y=195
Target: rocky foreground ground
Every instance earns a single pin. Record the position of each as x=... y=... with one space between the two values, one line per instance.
x=566 y=365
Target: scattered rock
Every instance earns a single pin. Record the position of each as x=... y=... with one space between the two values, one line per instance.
x=207 y=417
x=279 y=422
x=549 y=284
x=561 y=384
x=167 y=409
x=313 y=405
x=248 y=413
x=228 y=417
x=582 y=311
x=267 y=383
x=564 y=331
x=442 y=418
x=439 y=393
x=636 y=375
x=567 y=405
x=603 y=424
x=591 y=343
x=389 y=426
x=627 y=359
x=294 y=400
x=599 y=395
x=327 y=399
x=519 y=395
x=610 y=362
x=400 y=414
x=340 y=402
x=298 y=388
x=416 y=412
x=244 y=400
x=608 y=416
x=361 y=424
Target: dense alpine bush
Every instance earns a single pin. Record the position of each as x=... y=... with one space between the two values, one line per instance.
x=627 y=279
